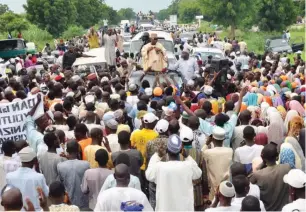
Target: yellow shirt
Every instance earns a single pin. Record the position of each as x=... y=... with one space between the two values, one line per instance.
x=90 y=154
x=139 y=140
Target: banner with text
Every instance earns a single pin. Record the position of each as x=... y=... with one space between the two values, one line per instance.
x=13 y=116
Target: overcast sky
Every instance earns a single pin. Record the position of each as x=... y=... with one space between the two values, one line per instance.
x=137 y=5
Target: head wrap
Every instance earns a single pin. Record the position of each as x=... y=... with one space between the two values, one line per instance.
x=287 y=156
x=282 y=111
x=295 y=105
x=261 y=139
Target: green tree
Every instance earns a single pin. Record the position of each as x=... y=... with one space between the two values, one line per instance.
x=89 y=12
x=187 y=10
x=227 y=12
x=127 y=13
x=10 y=22
x=72 y=31
x=162 y=14
x=276 y=14
x=113 y=17
x=174 y=7
x=53 y=15
x=4 y=8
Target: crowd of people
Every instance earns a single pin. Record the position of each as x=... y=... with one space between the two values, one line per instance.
x=108 y=143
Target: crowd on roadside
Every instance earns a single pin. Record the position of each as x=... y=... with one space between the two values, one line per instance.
x=108 y=143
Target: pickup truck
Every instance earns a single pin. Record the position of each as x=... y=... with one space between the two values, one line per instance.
x=12 y=48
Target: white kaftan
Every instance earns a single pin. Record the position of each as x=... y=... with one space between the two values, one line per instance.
x=110 y=44
x=176 y=177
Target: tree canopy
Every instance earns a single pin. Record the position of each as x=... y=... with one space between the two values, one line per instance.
x=127 y=13
x=188 y=9
x=57 y=15
x=4 y=8
x=10 y=21
x=275 y=15
x=228 y=13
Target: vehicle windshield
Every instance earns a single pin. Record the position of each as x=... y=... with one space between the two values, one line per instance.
x=186 y=35
x=7 y=45
x=278 y=43
x=204 y=55
x=126 y=47
x=136 y=45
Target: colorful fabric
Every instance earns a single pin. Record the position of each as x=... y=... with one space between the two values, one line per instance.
x=287 y=156
x=295 y=105
x=261 y=139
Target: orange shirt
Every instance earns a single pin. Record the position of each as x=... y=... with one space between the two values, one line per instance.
x=84 y=143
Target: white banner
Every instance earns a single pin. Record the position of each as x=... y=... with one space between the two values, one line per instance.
x=13 y=116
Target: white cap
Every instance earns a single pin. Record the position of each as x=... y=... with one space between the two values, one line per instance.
x=299 y=52
x=238 y=53
x=296 y=178
x=162 y=126
x=149 y=118
x=232 y=54
x=168 y=111
x=12 y=60
x=71 y=94
x=89 y=98
x=218 y=133
x=190 y=83
x=208 y=90
x=227 y=189
x=148 y=91
x=115 y=96
x=186 y=134
x=17 y=58
x=27 y=154
x=293 y=95
x=76 y=78
x=104 y=79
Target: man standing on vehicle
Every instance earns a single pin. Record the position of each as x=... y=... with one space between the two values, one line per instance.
x=154 y=55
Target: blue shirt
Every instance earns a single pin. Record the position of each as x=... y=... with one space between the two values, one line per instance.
x=34 y=137
x=229 y=127
x=205 y=127
x=27 y=181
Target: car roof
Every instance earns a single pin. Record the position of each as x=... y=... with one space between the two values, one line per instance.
x=160 y=34
x=146 y=25
x=204 y=49
x=98 y=57
x=12 y=39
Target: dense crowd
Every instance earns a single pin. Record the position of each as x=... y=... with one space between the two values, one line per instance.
x=109 y=143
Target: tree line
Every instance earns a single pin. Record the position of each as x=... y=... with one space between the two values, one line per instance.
x=269 y=15
x=56 y=16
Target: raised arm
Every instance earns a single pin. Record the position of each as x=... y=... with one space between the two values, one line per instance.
x=242 y=94
x=180 y=102
x=32 y=111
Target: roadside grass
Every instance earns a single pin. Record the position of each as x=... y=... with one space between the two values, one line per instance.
x=256 y=40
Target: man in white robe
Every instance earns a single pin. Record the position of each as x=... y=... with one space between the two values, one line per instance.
x=110 y=40
x=154 y=55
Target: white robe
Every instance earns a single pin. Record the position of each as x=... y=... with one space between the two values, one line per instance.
x=175 y=177
x=110 y=45
x=111 y=199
